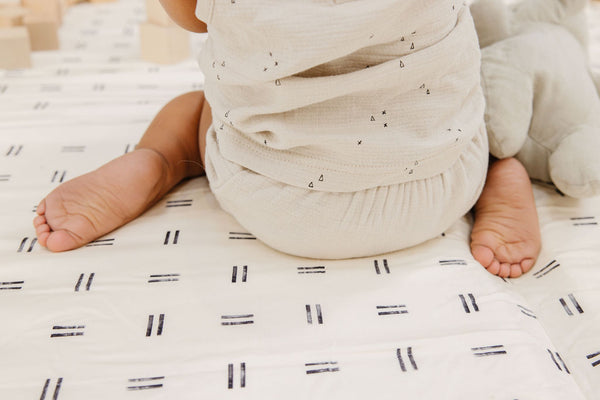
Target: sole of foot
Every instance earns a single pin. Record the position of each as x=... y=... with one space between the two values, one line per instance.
x=92 y=205
x=506 y=236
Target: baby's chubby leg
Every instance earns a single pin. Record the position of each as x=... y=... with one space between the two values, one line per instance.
x=506 y=234
x=89 y=206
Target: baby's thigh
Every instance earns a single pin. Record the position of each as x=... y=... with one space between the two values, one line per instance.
x=205 y=122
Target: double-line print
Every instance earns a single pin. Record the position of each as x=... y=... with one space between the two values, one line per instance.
x=146 y=383
x=402 y=361
x=321 y=367
x=67 y=331
x=87 y=285
x=486 y=351
x=243 y=319
x=14 y=285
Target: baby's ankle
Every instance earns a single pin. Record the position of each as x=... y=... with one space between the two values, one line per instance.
x=155 y=170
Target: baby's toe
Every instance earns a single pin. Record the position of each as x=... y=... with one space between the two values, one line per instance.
x=494 y=267
x=515 y=270
x=504 y=270
x=41 y=208
x=39 y=221
x=483 y=254
x=42 y=238
x=42 y=229
x=527 y=264
x=61 y=241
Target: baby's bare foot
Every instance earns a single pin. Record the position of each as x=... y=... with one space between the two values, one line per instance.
x=506 y=234
x=92 y=205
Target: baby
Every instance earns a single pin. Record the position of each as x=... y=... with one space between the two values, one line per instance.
x=328 y=129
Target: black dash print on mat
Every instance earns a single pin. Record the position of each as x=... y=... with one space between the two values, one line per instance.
x=386 y=268
x=41 y=105
x=445 y=263
x=593 y=356
x=58 y=176
x=88 y=283
x=168 y=236
x=551 y=266
x=575 y=304
x=391 y=310
x=15 y=285
x=485 y=351
x=244 y=273
x=556 y=358
x=130 y=147
x=4 y=177
x=179 y=203
x=241 y=236
x=526 y=311
x=158 y=278
x=242 y=375
x=583 y=221
x=72 y=149
x=101 y=242
x=24 y=246
x=411 y=359
x=321 y=367
x=67 y=331
x=244 y=319
x=159 y=326
x=14 y=150
x=319 y=269
x=309 y=314
x=56 y=392
x=145 y=383
x=465 y=304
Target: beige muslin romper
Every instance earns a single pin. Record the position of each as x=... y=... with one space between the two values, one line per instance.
x=343 y=128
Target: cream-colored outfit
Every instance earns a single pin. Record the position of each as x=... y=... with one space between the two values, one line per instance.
x=343 y=128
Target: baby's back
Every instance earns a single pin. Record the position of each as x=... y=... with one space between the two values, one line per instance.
x=359 y=93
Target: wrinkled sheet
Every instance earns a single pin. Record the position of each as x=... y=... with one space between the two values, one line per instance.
x=183 y=303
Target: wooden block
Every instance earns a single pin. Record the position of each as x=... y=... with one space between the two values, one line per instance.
x=164 y=44
x=12 y=16
x=156 y=14
x=43 y=32
x=10 y=3
x=46 y=8
x=69 y=3
x=15 y=52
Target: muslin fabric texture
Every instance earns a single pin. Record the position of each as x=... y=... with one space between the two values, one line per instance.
x=343 y=129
